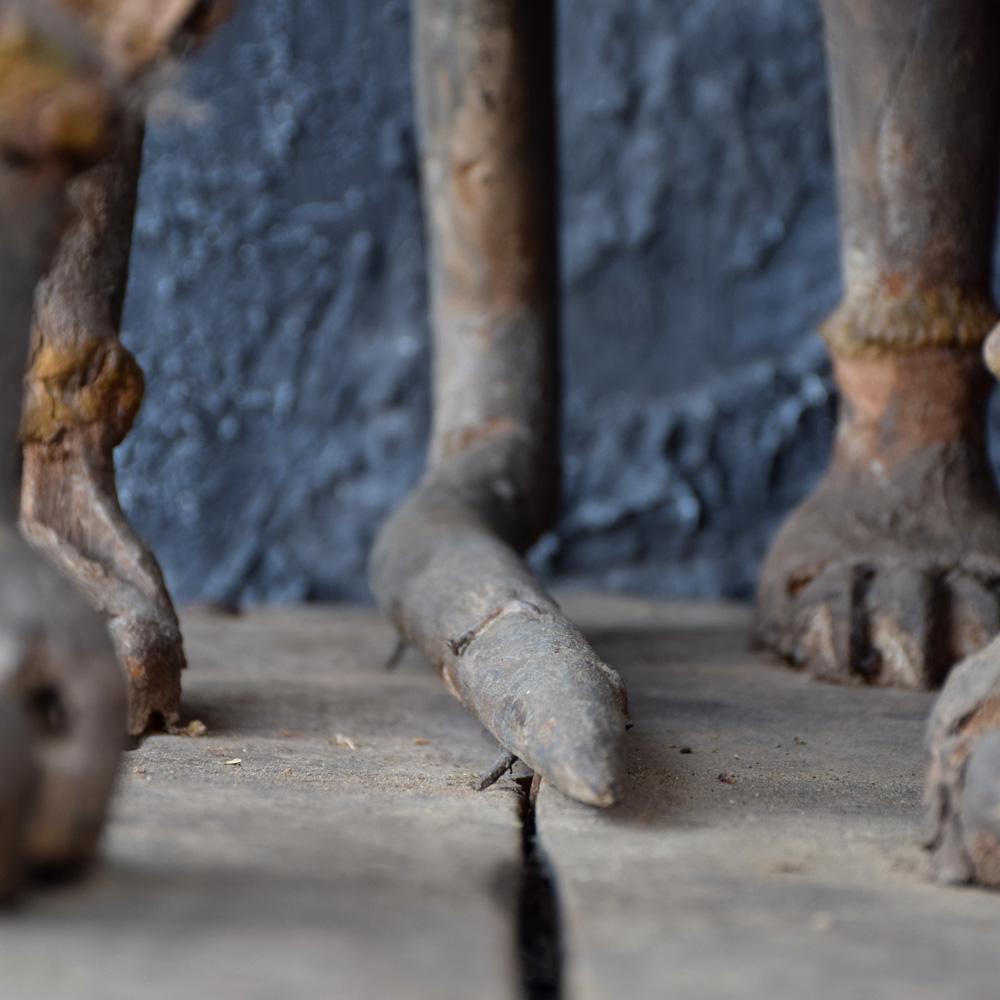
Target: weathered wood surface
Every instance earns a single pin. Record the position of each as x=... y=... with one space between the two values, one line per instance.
x=311 y=869
x=801 y=878
x=314 y=870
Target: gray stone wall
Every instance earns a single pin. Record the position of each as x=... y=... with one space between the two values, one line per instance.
x=277 y=297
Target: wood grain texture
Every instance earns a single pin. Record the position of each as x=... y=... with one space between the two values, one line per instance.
x=346 y=855
x=768 y=842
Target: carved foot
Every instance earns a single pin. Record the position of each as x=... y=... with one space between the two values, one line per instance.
x=62 y=709
x=70 y=512
x=963 y=784
x=888 y=573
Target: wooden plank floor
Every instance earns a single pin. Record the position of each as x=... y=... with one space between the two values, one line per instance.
x=346 y=855
x=769 y=844
x=312 y=868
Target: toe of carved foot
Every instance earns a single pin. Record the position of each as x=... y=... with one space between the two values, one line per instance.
x=889 y=622
x=850 y=601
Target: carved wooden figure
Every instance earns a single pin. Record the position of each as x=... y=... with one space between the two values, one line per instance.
x=84 y=388
x=69 y=73
x=61 y=692
x=888 y=573
x=446 y=568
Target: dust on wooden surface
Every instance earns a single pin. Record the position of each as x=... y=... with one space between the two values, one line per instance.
x=318 y=868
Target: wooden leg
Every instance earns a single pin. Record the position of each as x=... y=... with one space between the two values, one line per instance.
x=62 y=693
x=887 y=573
x=60 y=686
x=83 y=390
x=446 y=568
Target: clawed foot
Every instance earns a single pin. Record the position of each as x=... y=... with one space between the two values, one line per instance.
x=963 y=785
x=62 y=713
x=851 y=596
x=889 y=572
x=70 y=512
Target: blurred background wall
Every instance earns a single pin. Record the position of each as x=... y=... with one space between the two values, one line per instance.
x=277 y=297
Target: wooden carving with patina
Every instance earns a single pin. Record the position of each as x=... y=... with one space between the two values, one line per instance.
x=887 y=574
x=71 y=77
x=446 y=567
